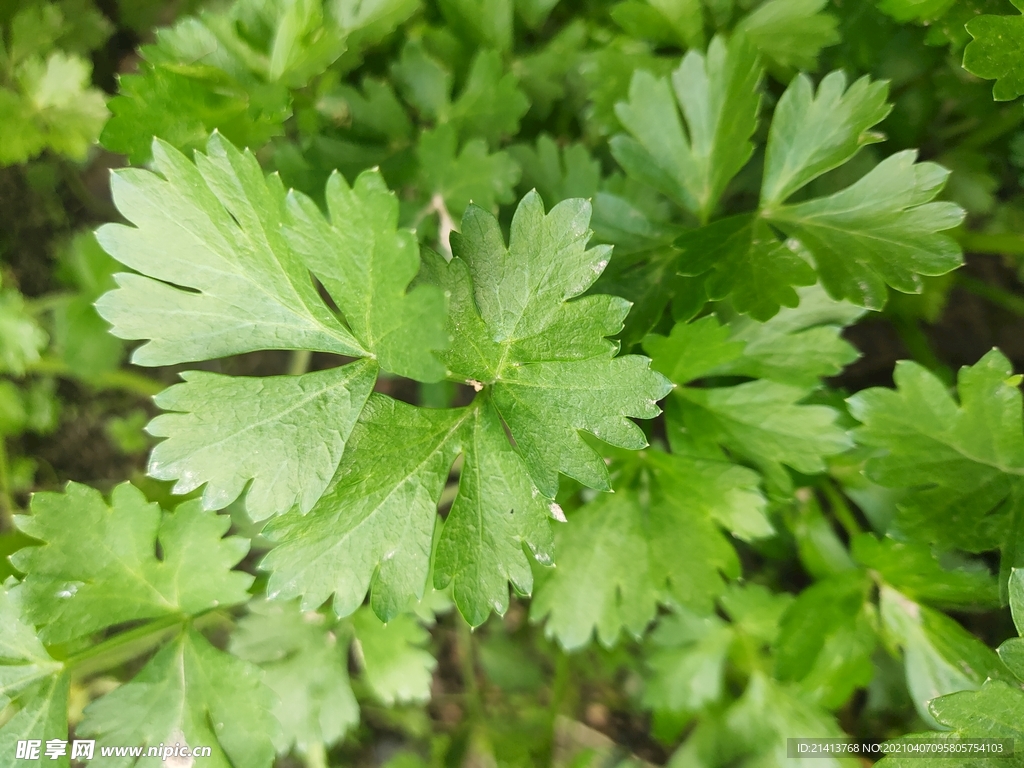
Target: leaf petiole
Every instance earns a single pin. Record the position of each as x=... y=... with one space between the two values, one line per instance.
x=128 y=645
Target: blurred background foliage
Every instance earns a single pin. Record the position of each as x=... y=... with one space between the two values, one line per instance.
x=482 y=100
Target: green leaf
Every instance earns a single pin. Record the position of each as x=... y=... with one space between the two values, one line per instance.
x=754 y=730
x=305 y=660
x=490 y=104
x=54 y=107
x=394 y=663
x=882 y=230
x=798 y=346
x=719 y=98
x=765 y=422
x=366 y=264
x=755 y=610
x=812 y=133
x=993 y=712
x=622 y=555
x=557 y=173
x=924 y=575
x=915 y=10
x=300 y=424
x=687 y=665
x=183 y=109
x=827 y=638
x=994 y=53
x=949 y=28
x=747 y=263
x=791 y=33
x=212 y=228
x=190 y=693
x=546 y=74
x=383 y=520
x=1011 y=652
x=545 y=404
x=366 y=25
x=373 y=526
x=693 y=350
x=248 y=261
x=80 y=336
x=34 y=29
x=231 y=70
x=1016 y=594
x=472 y=175
x=960 y=460
x=549 y=371
x=374 y=110
x=608 y=73
x=21 y=338
x=497 y=511
x=940 y=656
x=423 y=81
x=43 y=715
x=115 y=575
x=25 y=661
x=306 y=666
x=664 y=21
x=553 y=371
x=535 y=12
x=821 y=552
x=487 y=23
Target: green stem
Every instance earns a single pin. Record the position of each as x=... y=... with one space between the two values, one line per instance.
x=913 y=338
x=991 y=130
x=299 y=362
x=998 y=296
x=560 y=687
x=126 y=646
x=467 y=664
x=7 y=506
x=841 y=510
x=47 y=303
x=120 y=648
x=127 y=381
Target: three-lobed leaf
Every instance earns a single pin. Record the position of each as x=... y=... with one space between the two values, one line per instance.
x=622 y=555
x=549 y=371
x=719 y=98
x=882 y=230
x=305 y=664
x=552 y=369
x=791 y=33
x=115 y=576
x=962 y=460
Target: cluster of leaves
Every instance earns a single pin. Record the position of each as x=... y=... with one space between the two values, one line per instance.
x=430 y=275
x=46 y=92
